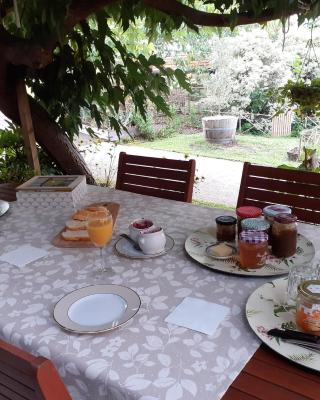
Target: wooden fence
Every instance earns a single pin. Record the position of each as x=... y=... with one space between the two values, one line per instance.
x=281 y=124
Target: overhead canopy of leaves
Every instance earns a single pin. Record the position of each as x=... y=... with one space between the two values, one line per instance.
x=92 y=69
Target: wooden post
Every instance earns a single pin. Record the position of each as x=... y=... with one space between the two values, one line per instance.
x=27 y=127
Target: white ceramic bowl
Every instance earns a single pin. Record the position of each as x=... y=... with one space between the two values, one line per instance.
x=139 y=225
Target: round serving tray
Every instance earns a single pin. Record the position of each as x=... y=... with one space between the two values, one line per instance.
x=197 y=243
x=267 y=309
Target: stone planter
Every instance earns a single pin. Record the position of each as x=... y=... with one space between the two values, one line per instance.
x=220 y=129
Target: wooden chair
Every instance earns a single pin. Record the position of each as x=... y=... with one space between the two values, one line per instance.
x=159 y=177
x=25 y=377
x=8 y=191
x=300 y=190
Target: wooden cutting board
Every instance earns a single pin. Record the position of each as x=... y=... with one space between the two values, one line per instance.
x=58 y=240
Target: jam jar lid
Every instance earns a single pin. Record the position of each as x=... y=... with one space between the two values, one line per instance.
x=274 y=209
x=255 y=224
x=226 y=220
x=310 y=290
x=248 y=212
x=253 y=237
x=285 y=218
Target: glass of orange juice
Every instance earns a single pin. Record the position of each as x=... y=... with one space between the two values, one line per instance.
x=99 y=226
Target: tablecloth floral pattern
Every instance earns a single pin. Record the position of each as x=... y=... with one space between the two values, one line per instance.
x=146 y=359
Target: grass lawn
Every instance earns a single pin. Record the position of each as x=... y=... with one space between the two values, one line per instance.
x=256 y=149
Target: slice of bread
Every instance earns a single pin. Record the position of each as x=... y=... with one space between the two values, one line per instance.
x=84 y=213
x=75 y=235
x=74 y=225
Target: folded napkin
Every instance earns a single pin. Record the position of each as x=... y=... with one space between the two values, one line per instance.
x=23 y=255
x=198 y=315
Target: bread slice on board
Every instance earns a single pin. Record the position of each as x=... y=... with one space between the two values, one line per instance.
x=84 y=213
x=75 y=235
x=73 y=225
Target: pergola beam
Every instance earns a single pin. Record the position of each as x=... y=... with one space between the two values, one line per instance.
x=27 y=127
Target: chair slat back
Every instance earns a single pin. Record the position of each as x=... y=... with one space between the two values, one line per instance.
x=159 y=177
x=300 y=190
x=8 y=191
x=25 y=377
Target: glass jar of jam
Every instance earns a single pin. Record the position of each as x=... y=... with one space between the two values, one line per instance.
x=271 y=211
x=284 y=235
x=253 y=248
x=255 y=224
x=247 y=212
x=226 y=228
x=308 y=306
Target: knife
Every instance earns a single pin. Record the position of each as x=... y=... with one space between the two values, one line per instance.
x=289 y=334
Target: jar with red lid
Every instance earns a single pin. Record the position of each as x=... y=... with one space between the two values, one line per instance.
x=253 y=249
x=247 y=212
x=284 y=235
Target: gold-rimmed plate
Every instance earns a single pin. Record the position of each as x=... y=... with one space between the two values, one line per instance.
x=96 y=308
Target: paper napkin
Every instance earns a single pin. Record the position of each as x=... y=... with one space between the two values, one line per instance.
x=23 y=255
x=198 y=315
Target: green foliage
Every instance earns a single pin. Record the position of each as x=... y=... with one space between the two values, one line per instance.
x=305 y=96
x=97 y=67
x=144 y=125
x=260 y=101
x=13 y=161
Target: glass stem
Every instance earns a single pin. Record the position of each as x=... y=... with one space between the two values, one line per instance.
x=103 y=266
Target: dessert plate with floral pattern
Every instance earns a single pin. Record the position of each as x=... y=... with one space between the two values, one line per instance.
x=267 y=309
x=198 y=242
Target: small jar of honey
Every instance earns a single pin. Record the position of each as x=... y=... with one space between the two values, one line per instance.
x=308 y=306
x=253 y=249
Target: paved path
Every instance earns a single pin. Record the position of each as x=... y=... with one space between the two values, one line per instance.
x=221 y=177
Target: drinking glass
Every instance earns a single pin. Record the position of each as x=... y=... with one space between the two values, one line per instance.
x=99 y=226
x=299 y=274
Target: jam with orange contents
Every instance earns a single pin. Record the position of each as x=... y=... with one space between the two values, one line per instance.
x=253 y=248
x=308 y=307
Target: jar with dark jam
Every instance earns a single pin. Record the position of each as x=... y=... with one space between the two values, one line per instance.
x=271 y=211
x=247 y=212
x=226 y=228
x=284 y=235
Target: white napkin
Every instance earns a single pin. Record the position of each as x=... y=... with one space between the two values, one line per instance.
x=198 y=315
x=23 y=255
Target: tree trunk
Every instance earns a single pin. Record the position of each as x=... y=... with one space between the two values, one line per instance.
x=48 y=134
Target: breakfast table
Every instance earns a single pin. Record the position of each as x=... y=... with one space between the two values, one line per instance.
x=147 y=358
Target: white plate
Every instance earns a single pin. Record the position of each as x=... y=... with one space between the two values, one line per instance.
x=96 y=308
x=126 y=249
x=197 y=243
x=4 y=207
x=267 y=309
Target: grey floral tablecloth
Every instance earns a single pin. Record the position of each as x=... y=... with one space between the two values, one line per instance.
x=146 y=359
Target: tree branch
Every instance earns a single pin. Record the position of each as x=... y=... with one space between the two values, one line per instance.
x=202 y=18
x=18 y=51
